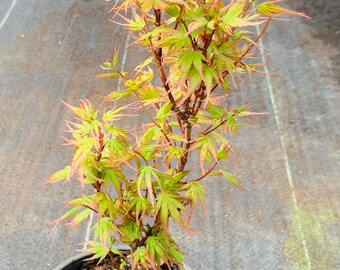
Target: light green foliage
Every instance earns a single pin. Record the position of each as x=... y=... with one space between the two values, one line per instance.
x=139 y=174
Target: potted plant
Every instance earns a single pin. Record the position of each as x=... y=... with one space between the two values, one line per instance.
x=141 y=176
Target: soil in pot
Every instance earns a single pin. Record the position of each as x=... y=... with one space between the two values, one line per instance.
x=113 y=262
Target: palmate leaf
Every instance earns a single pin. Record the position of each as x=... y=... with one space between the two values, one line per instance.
x=82 y=201
x=271 y=9
x=130 y=231
x=198 y=23
x=164 y=112
x=188 y=59
x=82 y=153
x=139 y=257
x=170 y=205
x=141 y=206
x=194 y=80
x=104 y=229
x=180 y=175
x=149 y=151
x=61 y=175
x=194 y=191
x=210 y=77
x=156 y=248
x=145 y=177
x=216 y=112
x=233 y=180
x=68 y=214
x=176 y=253
x=99 y=251
x=233 y=17
x=206 y=146
x=116 y=147
x=114 y=176
x=173 y=151
x=84 y=112
x=114 y=115
x=150 y=134
x=84 y=214
x=116 y=95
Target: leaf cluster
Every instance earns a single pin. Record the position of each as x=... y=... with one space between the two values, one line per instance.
x=139 y=174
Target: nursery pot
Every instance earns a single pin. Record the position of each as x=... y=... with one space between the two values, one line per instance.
x=76 y=262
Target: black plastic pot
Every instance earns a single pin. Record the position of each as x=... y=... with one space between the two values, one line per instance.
x=73 y=263
x=77 y=261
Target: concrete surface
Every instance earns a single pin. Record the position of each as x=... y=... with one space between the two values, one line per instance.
x=290 y=159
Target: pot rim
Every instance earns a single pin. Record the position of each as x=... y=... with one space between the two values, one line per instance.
x=78 y=258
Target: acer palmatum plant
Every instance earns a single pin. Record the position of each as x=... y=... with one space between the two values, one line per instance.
x=140 y=175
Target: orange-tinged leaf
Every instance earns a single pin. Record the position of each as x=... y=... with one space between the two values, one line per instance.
x=233 y=180
x=68 y=214
x=80 y=217
x=61 y=175
x=146 y=174
x=271 y=9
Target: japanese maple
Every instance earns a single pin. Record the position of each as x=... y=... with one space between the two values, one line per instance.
x=140 y=175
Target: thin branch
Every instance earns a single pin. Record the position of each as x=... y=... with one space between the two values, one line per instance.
x=207 y=131
x=207 y=172
x=139 y=154
x=193 y=42
x=89 y=207
x=210 y=170
x=158 y=58
x=184 y=158
x=245 y=8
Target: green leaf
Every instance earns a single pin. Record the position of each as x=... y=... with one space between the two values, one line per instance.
x=146 y=175
x=188 y=59
x=114 y=115
x=176 y=253
x=116 y=177
x=116 y=95
x=144 y=64
x=195 y=191
x=141 y=206
x=100 y=251
x=130 y=231
x=198 y=23
x=104 y=229
x=164 y=112
x=271 y=9
x=194 y=80
x=82 y=153
x=180 y=175
x=209 y=74
x=69 y=213
x=222 y=152
x=155 y=248
x=215 y=111
x=84 y=214
x=61 y=175
x=139 y=257
x=169 y=205
x=84 y=200
x=173 y=151
x=97 y=249
x=233 y=180
x=149 y=151
x=116 y=147
x=149 y=135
